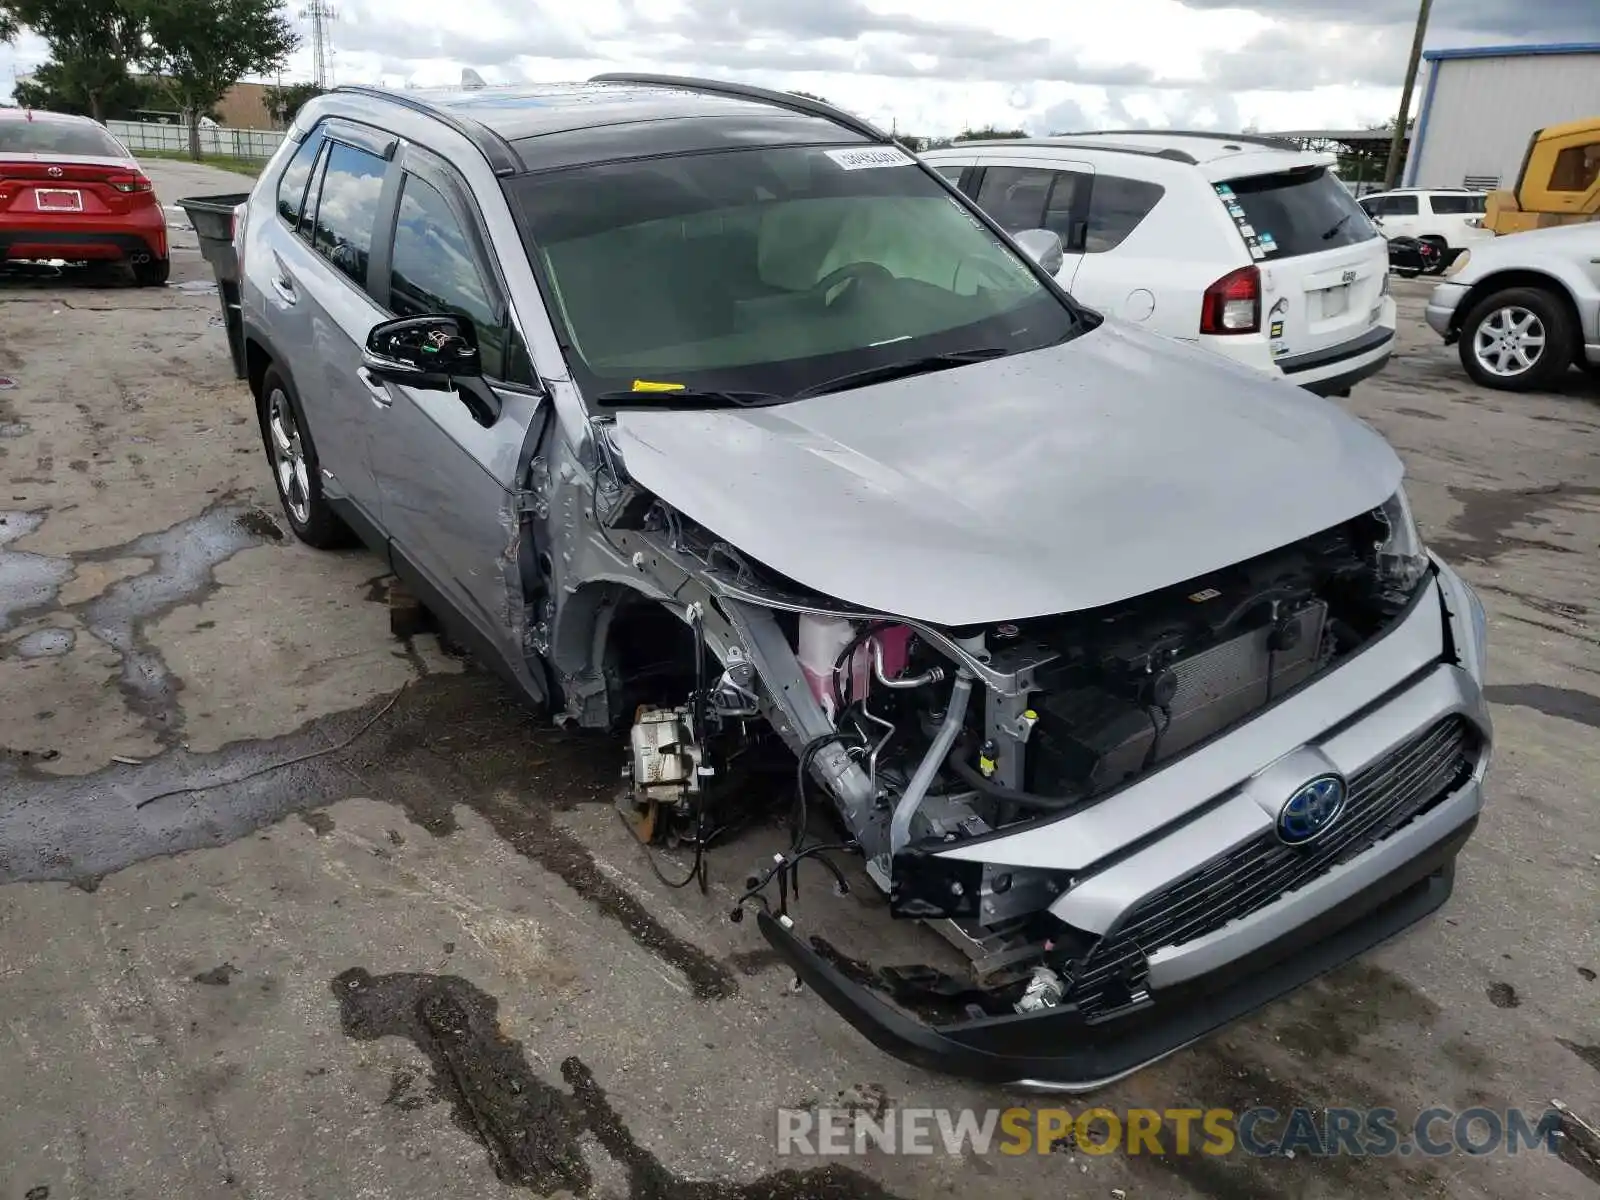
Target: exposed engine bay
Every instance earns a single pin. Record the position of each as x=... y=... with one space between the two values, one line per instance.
x=905 y=738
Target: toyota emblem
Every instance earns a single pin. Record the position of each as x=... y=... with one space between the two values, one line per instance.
x=54 y=172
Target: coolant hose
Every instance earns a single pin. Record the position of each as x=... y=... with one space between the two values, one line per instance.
x=958 y=763
x=955 y=716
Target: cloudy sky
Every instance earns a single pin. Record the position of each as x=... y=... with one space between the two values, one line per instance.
x=937 y=66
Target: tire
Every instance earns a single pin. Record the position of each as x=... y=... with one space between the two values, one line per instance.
x=153 y=273
x=293 y=460
x=1443 y=247
x=1522 y=364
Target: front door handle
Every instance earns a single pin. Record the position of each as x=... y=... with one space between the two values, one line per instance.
x=378 y=390
x=284 y=287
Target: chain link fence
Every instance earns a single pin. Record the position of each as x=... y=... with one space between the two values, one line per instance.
x=215 y=141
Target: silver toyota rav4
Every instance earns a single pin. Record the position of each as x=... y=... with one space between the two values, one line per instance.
x=711 y=417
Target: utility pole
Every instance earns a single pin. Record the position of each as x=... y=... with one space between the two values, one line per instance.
x=322 y=15
x=1402 y=121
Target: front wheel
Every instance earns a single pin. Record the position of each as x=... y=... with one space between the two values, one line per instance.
x=294 y=468
x=1518 y=340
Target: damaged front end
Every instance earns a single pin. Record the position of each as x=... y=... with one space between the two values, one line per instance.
x=1088 y=806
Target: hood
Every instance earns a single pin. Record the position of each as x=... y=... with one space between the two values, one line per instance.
x=1061 y=479
x=1553 y=236
x=1556 y=247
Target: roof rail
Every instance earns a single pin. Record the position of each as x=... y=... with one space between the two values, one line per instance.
x=1065 y=141
x=502 y=158
x=1168 y=152
x=1253 y=139
x=714 y=87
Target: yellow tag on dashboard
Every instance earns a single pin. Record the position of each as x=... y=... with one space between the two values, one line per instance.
x=646 y=385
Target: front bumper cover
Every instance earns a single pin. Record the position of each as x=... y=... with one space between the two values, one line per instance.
x=1061 y=1050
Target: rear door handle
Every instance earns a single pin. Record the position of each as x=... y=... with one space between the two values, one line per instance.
x=284 y=286
x=378 y=389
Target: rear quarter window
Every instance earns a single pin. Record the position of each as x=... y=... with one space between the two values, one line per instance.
x=1291 y=213
x=292 y=184
x=1453 y=206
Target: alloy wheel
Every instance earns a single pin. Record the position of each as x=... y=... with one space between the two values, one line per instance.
x=1509 y=342
x=289 y=457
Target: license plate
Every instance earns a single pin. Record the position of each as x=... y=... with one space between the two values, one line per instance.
x=58 y=200
x=1335 y=302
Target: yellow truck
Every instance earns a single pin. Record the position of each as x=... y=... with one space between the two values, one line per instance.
x=1559 y=183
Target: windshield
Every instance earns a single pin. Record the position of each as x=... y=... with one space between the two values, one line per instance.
x=1296 y=212
x=772 y=270
x=58 y=137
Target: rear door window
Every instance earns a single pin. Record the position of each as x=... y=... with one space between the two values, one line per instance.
x=347 y=212
x=1291 y=213
x=1015 y=196
x=1116 y=206
x=1021 y=198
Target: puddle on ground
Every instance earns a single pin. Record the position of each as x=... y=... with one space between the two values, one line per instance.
x=1567 y=703
x=13 y=429
x=184 y=558
x=1479 y=531
x=27 y=581
x=531 y=1129
x=44 y=643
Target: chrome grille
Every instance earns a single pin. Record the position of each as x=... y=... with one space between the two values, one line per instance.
x=1382 y=797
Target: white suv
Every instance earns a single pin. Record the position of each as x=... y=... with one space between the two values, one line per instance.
x=1450 y=218
x=1241 y=244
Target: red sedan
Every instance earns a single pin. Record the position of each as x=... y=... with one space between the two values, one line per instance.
x=71 y=191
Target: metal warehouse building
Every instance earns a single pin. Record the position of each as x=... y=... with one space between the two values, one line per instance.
x=1481 y=105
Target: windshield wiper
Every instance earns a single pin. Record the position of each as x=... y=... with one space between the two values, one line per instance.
x=1337 y=225
x=685 y=398
x=900 y=370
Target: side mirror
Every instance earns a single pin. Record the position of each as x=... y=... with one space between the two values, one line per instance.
x=432 y=354
x=429 y=353
x=1043 y=246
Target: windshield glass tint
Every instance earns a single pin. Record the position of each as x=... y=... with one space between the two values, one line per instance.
x=1297 y=212
x=773 y=270
x=58 y=137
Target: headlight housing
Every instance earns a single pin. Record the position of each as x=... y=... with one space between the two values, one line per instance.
x=1459 y=265
x=1402 y=558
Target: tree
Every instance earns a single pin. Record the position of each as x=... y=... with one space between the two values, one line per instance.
x=8 y=25
x=203 y=47
x=53 y=89
x=91 y=44
x=988 y=134
x=284 y=102
x=812 y=96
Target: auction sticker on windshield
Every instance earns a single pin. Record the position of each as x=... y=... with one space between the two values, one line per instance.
x=860 y=159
